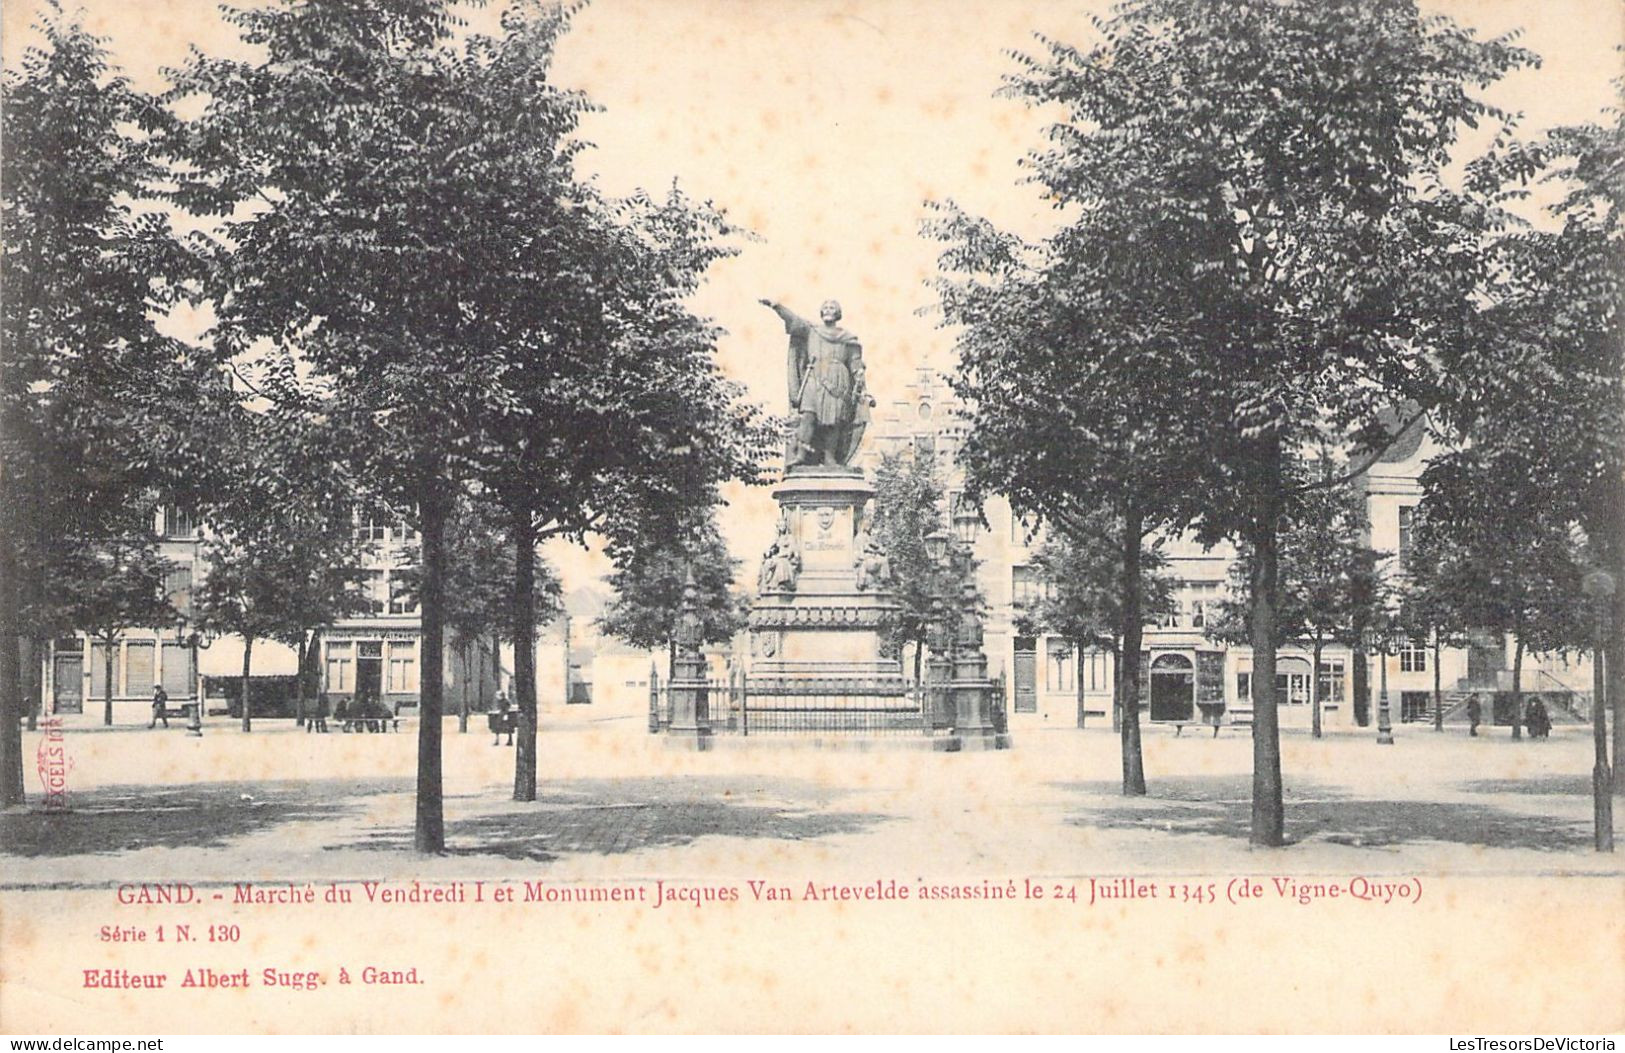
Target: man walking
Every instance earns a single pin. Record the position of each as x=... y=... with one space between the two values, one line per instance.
x=160 y=706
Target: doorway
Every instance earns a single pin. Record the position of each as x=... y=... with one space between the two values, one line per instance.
x=1026 y=674
x=68 y=684
x=1173 y=688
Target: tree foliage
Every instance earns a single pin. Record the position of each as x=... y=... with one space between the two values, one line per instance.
x=94 y=402
x=398 y=211
x=648 y=582
x=1081 y=569
x=1255 y=212
x=907 y=506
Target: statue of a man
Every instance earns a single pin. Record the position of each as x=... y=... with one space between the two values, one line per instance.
x=826 y=384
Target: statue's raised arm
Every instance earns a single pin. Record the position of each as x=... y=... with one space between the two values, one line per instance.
x=825 y=371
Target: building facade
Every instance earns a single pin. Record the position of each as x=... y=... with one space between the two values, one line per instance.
x=377 y=653
x=1188 y=677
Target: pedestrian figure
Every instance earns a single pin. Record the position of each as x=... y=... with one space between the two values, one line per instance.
x=318 y=721
x=1474 y=714
x=160 y=706
x=502 y=720
x=1540 y=724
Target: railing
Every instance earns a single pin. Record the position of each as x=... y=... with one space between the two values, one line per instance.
x=730 y=707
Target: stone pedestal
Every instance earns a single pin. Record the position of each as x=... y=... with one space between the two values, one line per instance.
x=816 y=631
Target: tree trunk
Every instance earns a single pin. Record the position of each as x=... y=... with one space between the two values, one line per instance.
x=429 y=827
x=1614 y=665
x=524 y=654
x=1517 y=687
x=1268 y=819
x=1077 y=655
x=11 y=688
x=463 y=659
x=34 y=680
x=1133 y=758
x=919 y=657
x=1117 y=683
x=248 y=656
x=1360 y=683
x=299 y=682
x=107 y=681
x=1314 y=690
x=1438 y=682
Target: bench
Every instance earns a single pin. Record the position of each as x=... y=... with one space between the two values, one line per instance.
x=1212 y=716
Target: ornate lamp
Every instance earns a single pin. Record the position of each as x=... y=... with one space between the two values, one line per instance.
x=1379 y=640
x=967 y=521
x=936 y=545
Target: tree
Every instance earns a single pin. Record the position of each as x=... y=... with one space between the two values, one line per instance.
x=1517 y=572
x=648 y=581
x=480 y=578
x=115 y=584
x=610 y=414
x=378 y=184
x=89 y=386
x=1082 y=600
x=907 y=507
x=1431 y=607
x=1074 y=405
x=1268 y=175
x=1550 y=382
x=1328 y=580
x=283 y=556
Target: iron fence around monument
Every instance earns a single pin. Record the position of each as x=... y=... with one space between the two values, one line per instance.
x=730 y=707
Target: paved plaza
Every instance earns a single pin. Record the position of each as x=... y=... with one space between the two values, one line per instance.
x=614 y=801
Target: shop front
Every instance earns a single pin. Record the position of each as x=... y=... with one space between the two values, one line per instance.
x=1183 y=687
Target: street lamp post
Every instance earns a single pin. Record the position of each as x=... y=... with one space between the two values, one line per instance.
x=1599 y=587
x=939 y=667
x=1380 y=641
x=192 y=641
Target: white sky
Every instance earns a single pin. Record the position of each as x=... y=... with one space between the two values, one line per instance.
x=824 y=126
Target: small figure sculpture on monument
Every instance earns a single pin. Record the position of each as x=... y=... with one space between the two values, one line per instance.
x=780 y=564
x=824 y=367
x=873 y=565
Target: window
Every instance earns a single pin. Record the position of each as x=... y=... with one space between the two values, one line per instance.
x=1024 y=586
x=178 y=587
x=1330 y=687
x=399 y=601
x=98 y=669
x=1058 y=668
x=1414 y=706
x=1201 y=596
x=178 y=522
x=1095 y=670
x=340 y=666
x=1291 y=687
x=404 y=532
x=1405 y=517
x=1413 y=656
x=140 y=665
x=403 y=669
x=370 y=529
x=1292 y=682
x=377 y=591
x=177 y=674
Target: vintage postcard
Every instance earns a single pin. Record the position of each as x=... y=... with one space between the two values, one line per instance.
x=881 y=798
